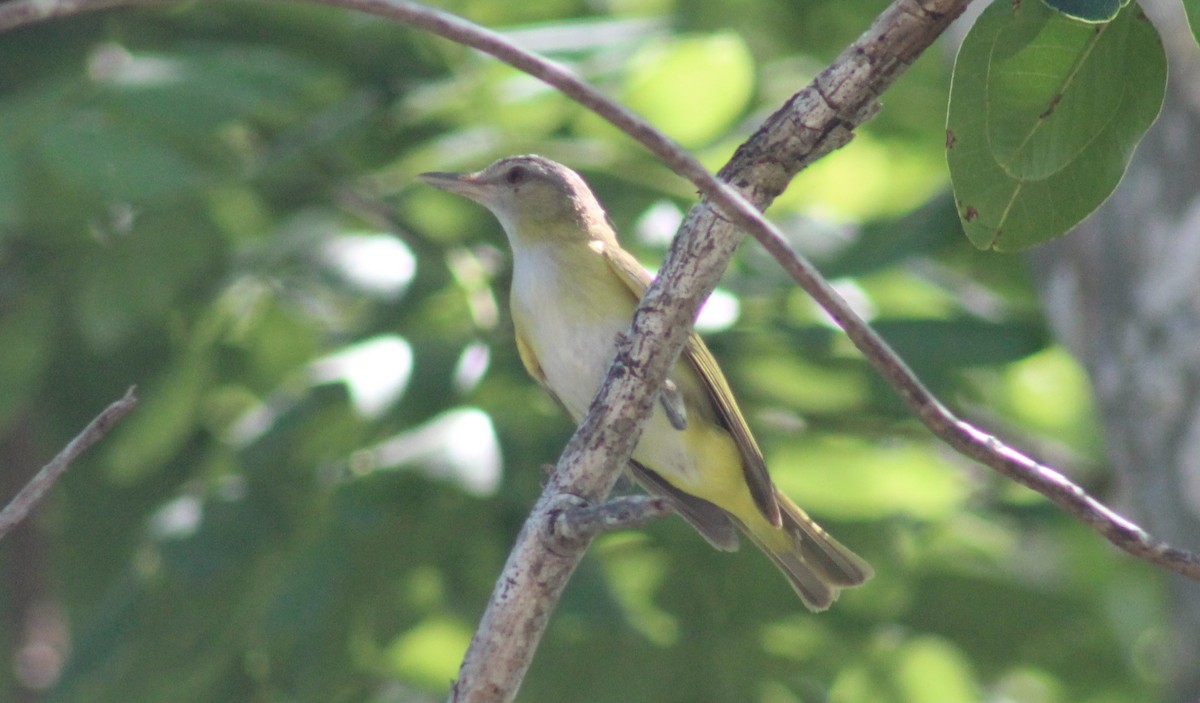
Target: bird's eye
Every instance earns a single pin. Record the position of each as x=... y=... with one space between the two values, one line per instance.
x=515 y=175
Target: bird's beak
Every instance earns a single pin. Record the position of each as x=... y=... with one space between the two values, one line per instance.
x=468 y=185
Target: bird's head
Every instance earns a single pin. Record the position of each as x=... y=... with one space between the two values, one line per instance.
x=534 y=198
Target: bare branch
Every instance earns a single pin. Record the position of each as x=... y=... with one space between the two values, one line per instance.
x=32 y=494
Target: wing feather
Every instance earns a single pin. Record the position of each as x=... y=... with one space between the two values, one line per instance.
x=711 y=522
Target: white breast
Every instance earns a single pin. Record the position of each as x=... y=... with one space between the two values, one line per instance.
x=573 y=336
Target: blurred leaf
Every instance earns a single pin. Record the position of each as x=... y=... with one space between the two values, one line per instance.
x=868 y=178
x=930 y=670
x=24 y=333
x=196 y=89
x=1045 y=113
x=10 y=188
x=800 y=385
x=692 y=88
x=430 y=653
x=144 y=268
x=93 y=153
x=163 y=423
x=882 y=243
x=949 y=344
x=635 y=574
x=949 y=604
x=1051 y=391
x=856 y=479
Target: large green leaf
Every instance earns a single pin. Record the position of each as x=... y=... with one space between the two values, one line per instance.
x=1045 y=113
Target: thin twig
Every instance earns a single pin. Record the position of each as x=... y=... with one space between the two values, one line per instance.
x=32 y=494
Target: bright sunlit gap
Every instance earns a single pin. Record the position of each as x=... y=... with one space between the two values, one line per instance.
x=472 y=365
x=181 y=517
x=377 y=264
x=376 y=371
x=178 y=518
x=658 y=224
x=585 y=34
x=112 y=63
x=858 y=299
x=719 y=312
x=460 y=445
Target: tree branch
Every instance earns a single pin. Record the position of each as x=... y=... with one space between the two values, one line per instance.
x=32 y=494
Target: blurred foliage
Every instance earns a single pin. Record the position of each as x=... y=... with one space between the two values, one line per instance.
x=337 y=443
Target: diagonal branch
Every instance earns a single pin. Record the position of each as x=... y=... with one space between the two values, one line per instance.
x=32 y=494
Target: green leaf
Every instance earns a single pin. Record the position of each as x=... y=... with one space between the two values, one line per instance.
x=887 y=242
x=137 y=276
x=1045 y=113
x=429 y=652
x=1088 y=10
x=1049 y=96
x=931 y=669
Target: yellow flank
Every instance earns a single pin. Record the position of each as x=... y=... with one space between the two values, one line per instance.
x=712 y=469
x=573 y=294
x=703 y=461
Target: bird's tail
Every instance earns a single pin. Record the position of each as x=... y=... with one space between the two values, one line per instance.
x=817 y=565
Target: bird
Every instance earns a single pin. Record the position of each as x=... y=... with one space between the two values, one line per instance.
x=574 y=291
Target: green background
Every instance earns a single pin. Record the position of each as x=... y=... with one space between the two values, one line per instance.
x=189 y=201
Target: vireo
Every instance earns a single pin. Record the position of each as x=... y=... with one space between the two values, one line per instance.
x=574 y=290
